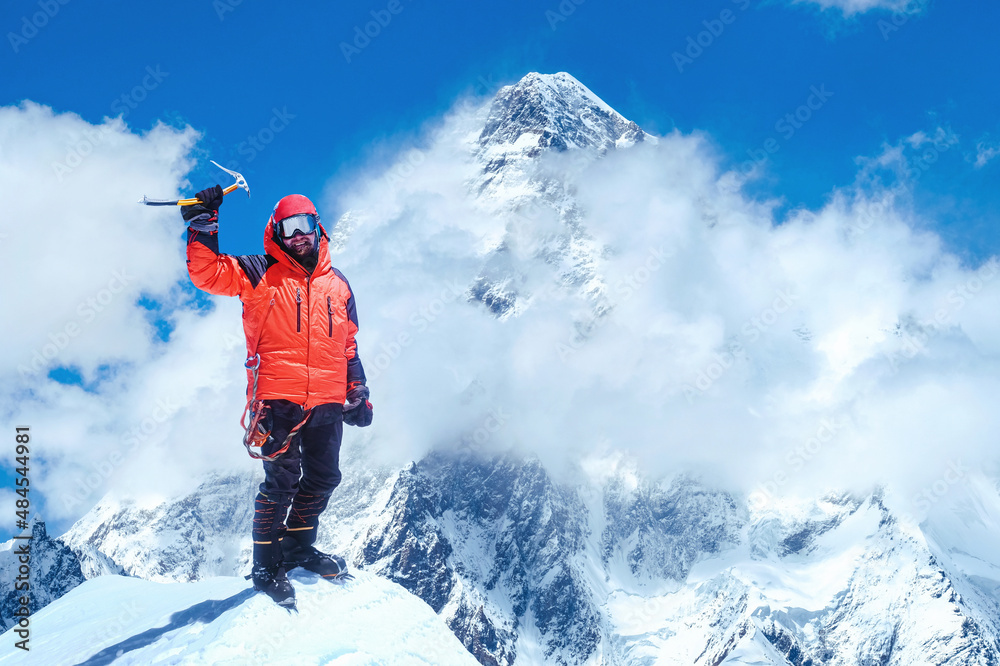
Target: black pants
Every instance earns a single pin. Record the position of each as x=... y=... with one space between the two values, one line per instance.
x=300 y=479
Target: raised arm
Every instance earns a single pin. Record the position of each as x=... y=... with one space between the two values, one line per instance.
x=210 y=271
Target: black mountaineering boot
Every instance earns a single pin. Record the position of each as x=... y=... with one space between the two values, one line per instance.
x=273 y=582
x=331 y=567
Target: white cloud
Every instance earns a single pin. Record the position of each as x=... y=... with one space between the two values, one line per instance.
x=840 y=349
x=78 y=247
x=78 y=254
x=985 y=152
x=901 y=165
x=851 y=7
x=940 y=138
x=8 y=502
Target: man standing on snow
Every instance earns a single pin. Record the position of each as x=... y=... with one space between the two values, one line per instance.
x=300 y=320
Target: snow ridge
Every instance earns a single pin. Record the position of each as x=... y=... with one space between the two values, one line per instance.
x=223 y=621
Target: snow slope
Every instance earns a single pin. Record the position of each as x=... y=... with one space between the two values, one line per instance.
x=114 y=619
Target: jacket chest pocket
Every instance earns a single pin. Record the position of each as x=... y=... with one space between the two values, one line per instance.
x=329 y=314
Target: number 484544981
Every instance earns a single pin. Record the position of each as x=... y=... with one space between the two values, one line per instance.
x=23 y=438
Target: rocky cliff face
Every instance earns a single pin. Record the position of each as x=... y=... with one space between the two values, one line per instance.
x=54 y=569
x=493 y=545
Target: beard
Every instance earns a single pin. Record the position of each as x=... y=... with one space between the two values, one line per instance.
x=303 y=249
x=302 y=246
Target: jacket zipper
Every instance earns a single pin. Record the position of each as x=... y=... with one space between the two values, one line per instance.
x=308 y=345
x=298 y=310
x=329 y=309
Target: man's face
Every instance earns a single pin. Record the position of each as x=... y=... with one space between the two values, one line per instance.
x=300 y=245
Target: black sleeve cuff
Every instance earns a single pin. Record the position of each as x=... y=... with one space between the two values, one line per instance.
x=356 y=371
x=205 y=222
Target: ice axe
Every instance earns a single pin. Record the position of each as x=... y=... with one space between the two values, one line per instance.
x=240 y=182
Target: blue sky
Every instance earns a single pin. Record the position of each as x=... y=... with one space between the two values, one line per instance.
x=225 y=68
x=273 y=94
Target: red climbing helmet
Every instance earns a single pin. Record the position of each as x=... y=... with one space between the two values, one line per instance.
x=294 y=214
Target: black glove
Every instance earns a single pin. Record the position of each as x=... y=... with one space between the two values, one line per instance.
x=204 y=216
x=357 y=410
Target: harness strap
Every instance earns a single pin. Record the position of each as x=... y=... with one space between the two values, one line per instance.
x=254 y=439
x=252 y=436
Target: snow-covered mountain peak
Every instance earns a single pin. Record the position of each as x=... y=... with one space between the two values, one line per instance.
x=538 y=132
x=553 y=110
x=520 y=154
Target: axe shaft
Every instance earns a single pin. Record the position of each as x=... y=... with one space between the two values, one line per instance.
x=241 y=182
x=183 y=202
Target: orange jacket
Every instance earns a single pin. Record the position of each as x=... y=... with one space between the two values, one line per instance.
x=302 y=325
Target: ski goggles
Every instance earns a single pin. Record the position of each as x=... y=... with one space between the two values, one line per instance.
x=304 y=223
